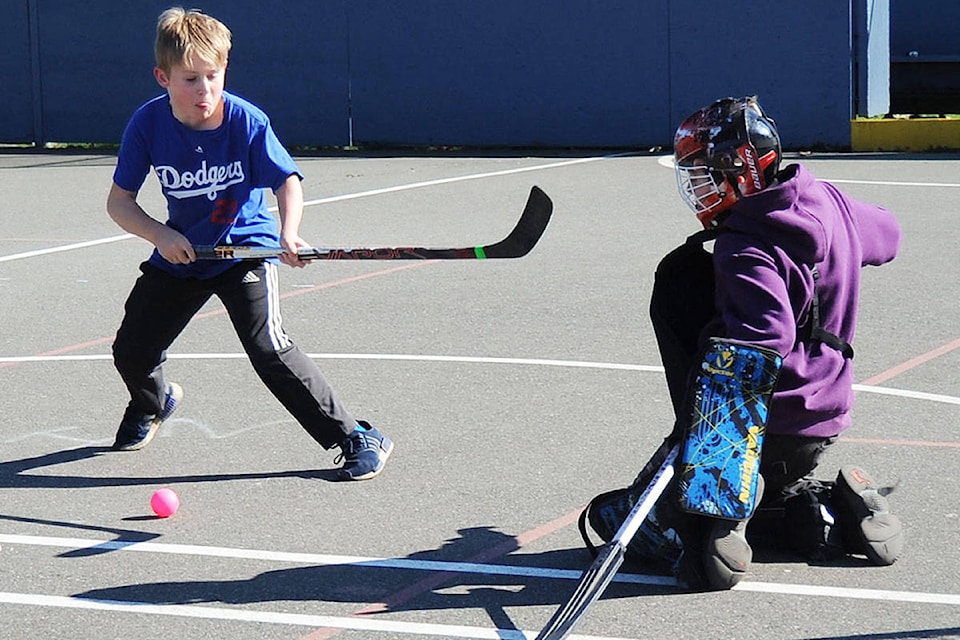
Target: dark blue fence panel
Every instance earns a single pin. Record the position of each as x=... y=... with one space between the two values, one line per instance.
x=292 y=60
x=538 y=72
x=97 y=65
x=16 y=75
x=796 y=61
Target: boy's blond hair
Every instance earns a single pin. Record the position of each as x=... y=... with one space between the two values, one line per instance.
x=185 y=35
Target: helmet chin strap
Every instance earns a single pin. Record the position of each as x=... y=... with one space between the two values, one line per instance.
x=735 y=184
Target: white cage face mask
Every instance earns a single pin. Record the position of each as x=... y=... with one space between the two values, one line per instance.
x=699 y=188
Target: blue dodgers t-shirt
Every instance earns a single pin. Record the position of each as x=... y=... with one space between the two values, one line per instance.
x=214 y=181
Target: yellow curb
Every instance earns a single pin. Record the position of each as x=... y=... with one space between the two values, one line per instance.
x=905 y=134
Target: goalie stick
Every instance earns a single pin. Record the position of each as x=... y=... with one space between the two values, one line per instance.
x=526 y=233
x=596 y=578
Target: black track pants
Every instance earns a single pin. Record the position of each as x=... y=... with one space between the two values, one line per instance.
x=160 y=306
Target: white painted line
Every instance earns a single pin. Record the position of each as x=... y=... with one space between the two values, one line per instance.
x=362 y=356
x=844 y=592
x=25 y=359
x=490 y=360
x=667 y=161
x=916 y=395
x=885 y=183
x=474 y=176
x=66 y=247
x=325 y=559
x=612 y=366
x=271 y=617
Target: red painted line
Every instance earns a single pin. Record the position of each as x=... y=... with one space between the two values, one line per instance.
x=83 y=345
x=219 y=312
x=912 y=363
x=904 y=443
x=434 y=580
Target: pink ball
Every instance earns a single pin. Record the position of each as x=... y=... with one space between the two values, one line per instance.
x=165 y=502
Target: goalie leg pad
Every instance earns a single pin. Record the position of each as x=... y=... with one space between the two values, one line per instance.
x=720 y=462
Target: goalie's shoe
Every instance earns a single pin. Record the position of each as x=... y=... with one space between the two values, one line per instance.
x=864 y=512
x=726 y=553
x=138 y=429
x=655 y=547
x=364 y=453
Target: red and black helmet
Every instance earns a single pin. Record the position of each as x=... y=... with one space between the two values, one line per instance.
x=724 y=152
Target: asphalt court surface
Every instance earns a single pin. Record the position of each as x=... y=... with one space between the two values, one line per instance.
x=515 y=390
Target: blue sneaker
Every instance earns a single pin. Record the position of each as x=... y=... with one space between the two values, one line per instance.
x=364 y=453
x=137 y=429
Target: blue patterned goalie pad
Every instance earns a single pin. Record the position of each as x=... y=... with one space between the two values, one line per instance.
x=720 y=461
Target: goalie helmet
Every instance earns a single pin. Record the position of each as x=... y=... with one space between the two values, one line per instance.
x=724 y=152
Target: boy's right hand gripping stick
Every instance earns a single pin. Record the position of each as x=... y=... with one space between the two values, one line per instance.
x=720 y=461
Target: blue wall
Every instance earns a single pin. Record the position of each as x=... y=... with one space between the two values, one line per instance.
x=539 y=72
x=16 y=93
x=502 y=73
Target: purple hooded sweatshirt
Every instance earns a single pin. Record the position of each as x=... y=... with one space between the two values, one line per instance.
x=764 y=289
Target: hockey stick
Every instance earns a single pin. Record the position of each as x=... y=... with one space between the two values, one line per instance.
x=533 y=221
x=596 y=578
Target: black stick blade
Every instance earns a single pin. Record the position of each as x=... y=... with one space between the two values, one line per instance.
x=529 y=229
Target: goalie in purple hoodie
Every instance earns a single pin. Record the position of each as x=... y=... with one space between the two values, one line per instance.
x=784 y=274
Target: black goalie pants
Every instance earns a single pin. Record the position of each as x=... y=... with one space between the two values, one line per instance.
x=159 y=308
